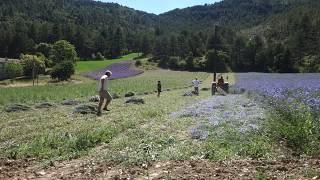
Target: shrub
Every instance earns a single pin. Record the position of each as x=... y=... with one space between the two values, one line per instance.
x=33 y=61
x=44 y=49
x=138 y=63
x=310 y=64
x=217 y=61
x=13 y=69
x=63 y=51
x=189 y=62
x=297 y=128
x=173 y=62
x=63 y=71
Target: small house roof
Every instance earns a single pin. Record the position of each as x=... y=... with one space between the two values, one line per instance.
x=3 y=60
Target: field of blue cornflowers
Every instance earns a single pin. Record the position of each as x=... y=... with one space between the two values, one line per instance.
x=294 y=104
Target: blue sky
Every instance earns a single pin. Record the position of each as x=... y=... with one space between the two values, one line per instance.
x=160 y=6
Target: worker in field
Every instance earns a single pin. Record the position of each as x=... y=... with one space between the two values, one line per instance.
x=103 y=92
x=159 y=88
x=221 y=86
x=221 y=81
x=196 y=84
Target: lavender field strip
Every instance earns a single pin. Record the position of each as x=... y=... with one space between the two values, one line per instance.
x=303 y=88
x=119 y=70
x=87 y=66
x=293 y=101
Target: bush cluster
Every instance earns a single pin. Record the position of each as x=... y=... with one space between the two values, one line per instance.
x=12 y=70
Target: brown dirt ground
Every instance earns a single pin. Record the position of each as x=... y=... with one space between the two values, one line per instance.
x=198 y=169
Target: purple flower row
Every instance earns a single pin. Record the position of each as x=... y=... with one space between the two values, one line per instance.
x=119 y=70
x=304 y=88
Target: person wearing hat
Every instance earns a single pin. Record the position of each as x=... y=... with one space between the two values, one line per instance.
x=103 y=92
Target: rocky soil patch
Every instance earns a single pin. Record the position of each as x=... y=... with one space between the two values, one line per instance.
x=197 y=169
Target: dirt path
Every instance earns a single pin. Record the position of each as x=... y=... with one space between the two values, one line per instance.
x=200 y=169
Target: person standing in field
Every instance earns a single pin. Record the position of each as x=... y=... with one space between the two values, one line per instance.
x=196 y=84
x=103 y=92
x=159 y=88
x=221 y=81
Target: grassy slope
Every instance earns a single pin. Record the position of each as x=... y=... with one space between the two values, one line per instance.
x=143 y=83
x=128 y=135
x=86 y=66
x=127 y=130
x=57 y=133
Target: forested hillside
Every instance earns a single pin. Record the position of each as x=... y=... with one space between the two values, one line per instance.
x=236 y=14
x=298 y=31
x=208 y=37
x=92 y=26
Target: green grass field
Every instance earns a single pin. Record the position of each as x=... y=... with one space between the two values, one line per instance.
x=86 y=66
x=58 y=134
x=82 y=91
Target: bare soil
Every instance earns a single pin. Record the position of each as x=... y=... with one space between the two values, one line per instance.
x=198 y=169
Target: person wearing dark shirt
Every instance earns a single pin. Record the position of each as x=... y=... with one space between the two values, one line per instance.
x=221 y=82
x=159 y=88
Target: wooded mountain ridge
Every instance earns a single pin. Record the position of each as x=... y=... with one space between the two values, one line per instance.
x=112 y=30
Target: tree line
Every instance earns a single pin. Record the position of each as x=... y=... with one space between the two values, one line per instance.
x=289 y=41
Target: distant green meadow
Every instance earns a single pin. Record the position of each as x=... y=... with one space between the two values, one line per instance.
x=87 y=66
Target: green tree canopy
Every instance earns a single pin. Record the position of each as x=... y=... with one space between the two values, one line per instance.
x=63 y=51
x=32 y=63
